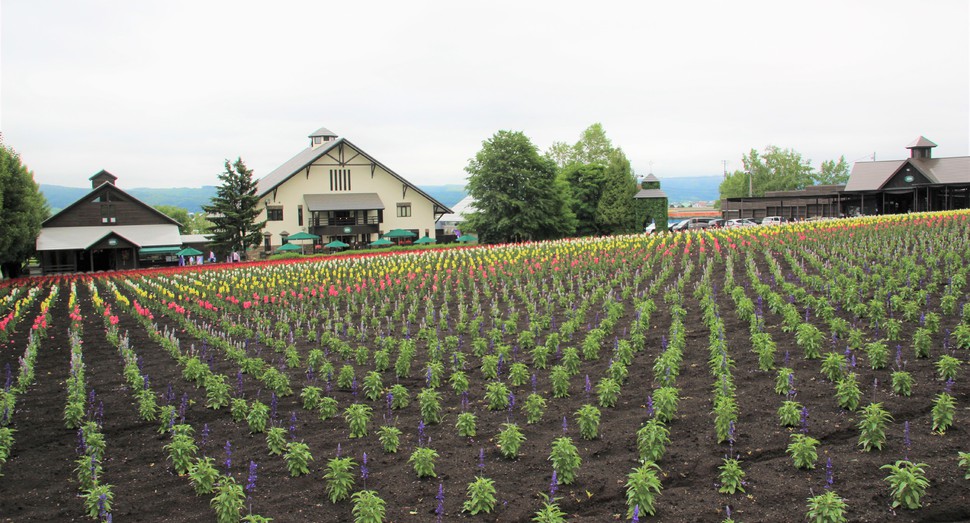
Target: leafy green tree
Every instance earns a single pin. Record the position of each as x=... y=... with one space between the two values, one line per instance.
x=518 y=196
x=616 y=211
x=233 y=210
x=178 y=214
x=832 y=172
x=22 y=209
x=775 y=170
x=585 y=185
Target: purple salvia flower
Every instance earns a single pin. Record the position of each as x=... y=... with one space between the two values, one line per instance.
x=228 y=461
x=565 y=425
x=99 y=413
x=511 y=401
x=427 y=378
x=907 y=443
x=420 y=433
x=364 y=470
x=145 y=383
x=829 y=474
x=251 y=480
x=852 y=361
x=293 y=425
x=464 y=400
x=440 y=509
x=481 y=460
x=239 y=383
x=169 y=395
x=183 y=406
x=533 y=382
x=553 y=486
x=273 y=400
x=636 y=514
x=948 y=386
x=338 y=450
x=205 y=434
x=804 y=420
x=587 y=387
x=650 y=406
x=899 y=356
x=9 y=381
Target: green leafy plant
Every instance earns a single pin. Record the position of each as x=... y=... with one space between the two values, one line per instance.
x=652 y=440
x=665 y=401
x=327 y=408
x=944 y=408
x=509 y=440
x=239 y=409
x=642 y=485
x=276 y=440
x=847 y=392
x=790 y=413
x=430 y=402
x=834 y=365
x=400 y=397
x=588 y=418
x=783 y=380
x=257 y=417
x=518 y=374
x=459 y=381
x=181 y=451
x=297 y=458
x=346 y=377
x=203 y=475
x=466 y=424
x=390 y=438
x=340 y=478
x=947 y=367
x=358 y=416
x=534 y=407
x=373 y=386
x=565 y=460
x=559 y=378
x=481 y=496
x=497 y=395
x=902 y=383
x=907 y=483
x=550 y=512
x=98 y=498
x=801 y=448
x=229 y=501
x=422 y=459
x=922 y=342
x=368 y=507
x=731 y=476
x=725 y=415
x=872 y=426
x=965 y=463
x=827 y=507
x=809 y=338
x=608 y=390
x=878 y=355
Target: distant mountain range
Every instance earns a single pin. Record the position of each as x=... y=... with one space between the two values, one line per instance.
x=687 y=189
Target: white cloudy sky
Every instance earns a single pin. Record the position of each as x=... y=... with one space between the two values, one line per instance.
x=160 y=93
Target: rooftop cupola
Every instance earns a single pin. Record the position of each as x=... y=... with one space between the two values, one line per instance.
x=321 y=136
x=102 y=177
x=921 y=148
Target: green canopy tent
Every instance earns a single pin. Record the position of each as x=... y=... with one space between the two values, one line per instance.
x=189 y=251
x=289 y=247
x=337 y=244
x=425 y=240
x=381 y=242
x=467 y=238
x=302 y=236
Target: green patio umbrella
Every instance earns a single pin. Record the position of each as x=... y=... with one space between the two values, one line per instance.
x=425 y=240
x=189 y=251
x=336 y=244
x=302 y=236
x=288 y=247
x=399 y=233
x=381 y=242
x=467 y=238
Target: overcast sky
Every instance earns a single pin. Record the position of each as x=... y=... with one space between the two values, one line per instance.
x=160 y=93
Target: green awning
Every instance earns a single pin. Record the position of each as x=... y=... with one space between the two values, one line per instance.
x=145 y=251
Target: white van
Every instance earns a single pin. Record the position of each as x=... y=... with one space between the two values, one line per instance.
x=772 y=220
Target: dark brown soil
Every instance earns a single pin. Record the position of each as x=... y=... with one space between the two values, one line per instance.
x=38 y=482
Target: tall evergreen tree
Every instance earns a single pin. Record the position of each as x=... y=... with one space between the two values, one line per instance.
x=584 y=184
x=518 y=196
x=233 y=210
x=22 y=209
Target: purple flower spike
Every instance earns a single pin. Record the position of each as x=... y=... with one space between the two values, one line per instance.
x=364 y=470
x=293 y=425
x=565 y=425
x=205 y=434
x=420 y=432
x=481 y=460
x=553 y=486
x=636 y=513
x=804 y=420
x=440 y=509
x=251 y=480
x=228 y=461
x=533 y=382
x=829 y=474
x=338 y=450
x=650 y=406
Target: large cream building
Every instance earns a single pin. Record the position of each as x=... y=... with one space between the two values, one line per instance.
x=337 y=191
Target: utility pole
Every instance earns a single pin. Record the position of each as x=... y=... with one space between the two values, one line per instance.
x=750 y=184
x=724 y=164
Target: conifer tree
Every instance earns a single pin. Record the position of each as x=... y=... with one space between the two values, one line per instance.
x=233 y=210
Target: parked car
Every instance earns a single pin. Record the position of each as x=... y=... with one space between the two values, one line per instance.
x=690 y=223
x=739 y=222
x=772 y=220
x=716 y=223
x=650 y=229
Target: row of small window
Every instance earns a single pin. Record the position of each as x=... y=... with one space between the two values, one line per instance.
x=275 y=214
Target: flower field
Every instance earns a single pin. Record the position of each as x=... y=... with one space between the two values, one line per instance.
x=762 y=374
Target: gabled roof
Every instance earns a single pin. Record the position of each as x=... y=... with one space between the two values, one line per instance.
x=104 y=174
x=457 y=214
x=871 y=176
x=920 y=142
x=306 y=157
x=70 y=238
x=651 y=178
x=110 y=187
x=324 y=132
